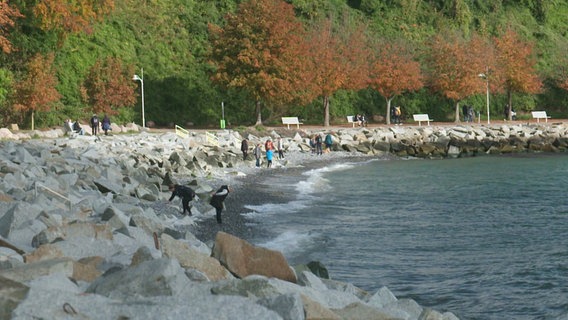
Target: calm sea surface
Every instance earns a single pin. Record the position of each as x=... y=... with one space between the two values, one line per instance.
x=483 y=237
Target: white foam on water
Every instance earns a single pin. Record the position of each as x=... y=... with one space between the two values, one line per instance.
x=274 y=208
x=316 y=181
x=290 y=242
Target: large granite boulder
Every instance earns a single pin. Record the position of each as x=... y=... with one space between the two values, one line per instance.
x=244 y=259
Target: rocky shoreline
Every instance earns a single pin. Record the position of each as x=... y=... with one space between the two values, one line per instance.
x=86 y=231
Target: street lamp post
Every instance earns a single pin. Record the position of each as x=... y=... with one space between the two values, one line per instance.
x=141 y=79
x=485 y=76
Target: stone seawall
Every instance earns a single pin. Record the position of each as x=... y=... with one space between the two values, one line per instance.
x=415 y=141
x=457 y=140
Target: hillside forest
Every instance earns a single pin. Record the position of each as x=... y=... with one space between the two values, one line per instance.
x=194 y=62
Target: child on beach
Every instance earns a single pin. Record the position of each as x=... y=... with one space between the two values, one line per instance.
x=269 y=155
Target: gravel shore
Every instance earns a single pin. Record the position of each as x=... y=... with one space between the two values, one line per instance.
x=250 y=189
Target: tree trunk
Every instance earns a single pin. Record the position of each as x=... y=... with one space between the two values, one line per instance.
x=33 y=120
x=457 y=120
x=258 y=114
x=509 y=105
x=326 y=111
x=388 y=117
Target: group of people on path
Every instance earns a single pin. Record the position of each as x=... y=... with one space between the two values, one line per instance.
x=269 y=151
x=361 y=120
x=94 y=122
x=316 y=143
x=468 y=113
x=396 y=115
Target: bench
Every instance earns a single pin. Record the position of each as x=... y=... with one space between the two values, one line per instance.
x=422 y=117
x=352 y=120
x=291 y=120
x=68 y=129
x=540 y=115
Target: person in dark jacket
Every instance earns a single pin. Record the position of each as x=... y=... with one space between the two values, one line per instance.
x=185 y=193
x=94 y=124
x=218 y=198
x=106 y=124
x=244 y=149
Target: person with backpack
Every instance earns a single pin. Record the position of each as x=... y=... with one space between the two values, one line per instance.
x=94 y=124
x=185 y=193
x=217 y=200
x=397 y=114
x=328 y=142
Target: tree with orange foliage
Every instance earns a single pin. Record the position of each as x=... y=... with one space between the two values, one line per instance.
x=7 y=16
x=393 y=72
x=257 y=50
x=67 y=17
x=108 y=86
x=37 y=92
x=454 y=67
x=336 y=59
x=517 y=63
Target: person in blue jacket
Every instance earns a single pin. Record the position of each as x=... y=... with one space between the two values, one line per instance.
x=217 y=200
x=185 y=193
x=269 y=156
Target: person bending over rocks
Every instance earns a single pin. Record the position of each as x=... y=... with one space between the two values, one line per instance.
x=217 y=200
x=185 y=193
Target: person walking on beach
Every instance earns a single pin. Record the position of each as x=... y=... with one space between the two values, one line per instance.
x=328 y=142
x=244 y=148
x=185 y=193
x=318 y=145
x=269 y=155
x=257 y=154
x=106 y=124
x=217 y=200
x=94 y=124
x=280 y=146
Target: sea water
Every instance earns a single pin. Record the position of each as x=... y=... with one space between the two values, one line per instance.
x=482 y=237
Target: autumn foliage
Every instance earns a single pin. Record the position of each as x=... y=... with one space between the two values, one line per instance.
x=109 y=87
x=337 y=58
x=71 y=16
x=454 y=67
x=37 y=92
x=7 y=16
x=257 y=51
x=394 y=71
x=517 y=63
